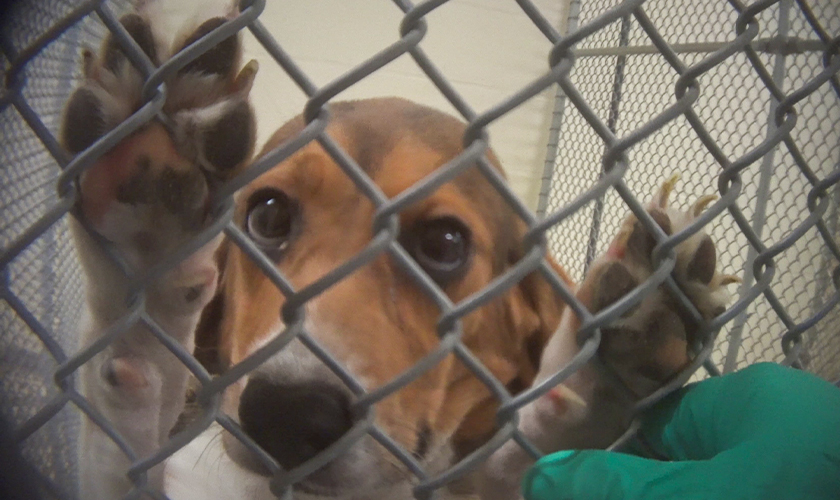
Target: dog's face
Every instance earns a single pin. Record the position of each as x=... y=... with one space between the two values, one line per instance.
x=309 y=218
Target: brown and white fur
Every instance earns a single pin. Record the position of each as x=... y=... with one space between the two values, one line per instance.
x=150 y=194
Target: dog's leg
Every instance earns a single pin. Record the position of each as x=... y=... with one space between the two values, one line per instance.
x=145 y=198
x=643 y=349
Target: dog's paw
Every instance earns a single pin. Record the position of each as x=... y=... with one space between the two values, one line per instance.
x=150 y=191
x=651 y=342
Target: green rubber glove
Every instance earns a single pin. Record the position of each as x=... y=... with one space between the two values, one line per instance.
x=766 y=432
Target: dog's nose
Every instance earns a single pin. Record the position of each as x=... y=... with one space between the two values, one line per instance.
x=292 y=423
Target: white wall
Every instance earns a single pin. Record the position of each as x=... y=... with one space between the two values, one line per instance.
x=488 y=49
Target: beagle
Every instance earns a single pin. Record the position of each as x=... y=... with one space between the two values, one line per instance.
x=150 y=195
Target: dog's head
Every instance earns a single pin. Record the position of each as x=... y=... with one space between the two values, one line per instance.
x=309 y=217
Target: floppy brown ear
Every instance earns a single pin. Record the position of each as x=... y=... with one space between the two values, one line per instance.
x=531 y=313
x=535 y=313
x=208 y=332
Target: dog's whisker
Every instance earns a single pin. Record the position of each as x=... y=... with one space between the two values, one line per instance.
x=210 y=447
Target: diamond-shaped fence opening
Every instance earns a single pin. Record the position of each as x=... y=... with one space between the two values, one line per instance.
x=707 y=89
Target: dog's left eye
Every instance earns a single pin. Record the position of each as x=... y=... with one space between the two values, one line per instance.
x=442 y=247
x=271 y=219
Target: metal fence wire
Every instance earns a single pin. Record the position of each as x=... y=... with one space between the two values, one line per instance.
x=747 y=95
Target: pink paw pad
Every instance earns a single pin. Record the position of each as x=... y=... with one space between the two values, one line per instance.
x=125 y=372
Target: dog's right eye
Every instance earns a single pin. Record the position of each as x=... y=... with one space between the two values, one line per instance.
x=271 y=220
x=441 y=246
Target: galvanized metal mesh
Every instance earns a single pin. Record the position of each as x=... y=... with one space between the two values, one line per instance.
x=739 y=99
x=736 y=109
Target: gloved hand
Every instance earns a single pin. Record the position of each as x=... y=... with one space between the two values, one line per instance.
x=766 y=432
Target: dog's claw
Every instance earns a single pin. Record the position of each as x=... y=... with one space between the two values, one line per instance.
x=245 y=79
x=566 y=401
x=661 y=198
x=728 y=279
x=701 y=204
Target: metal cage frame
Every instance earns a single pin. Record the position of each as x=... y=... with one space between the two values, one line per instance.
x=44 y=305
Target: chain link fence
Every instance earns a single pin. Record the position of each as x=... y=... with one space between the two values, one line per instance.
x=742 y=99
x=738 y=112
